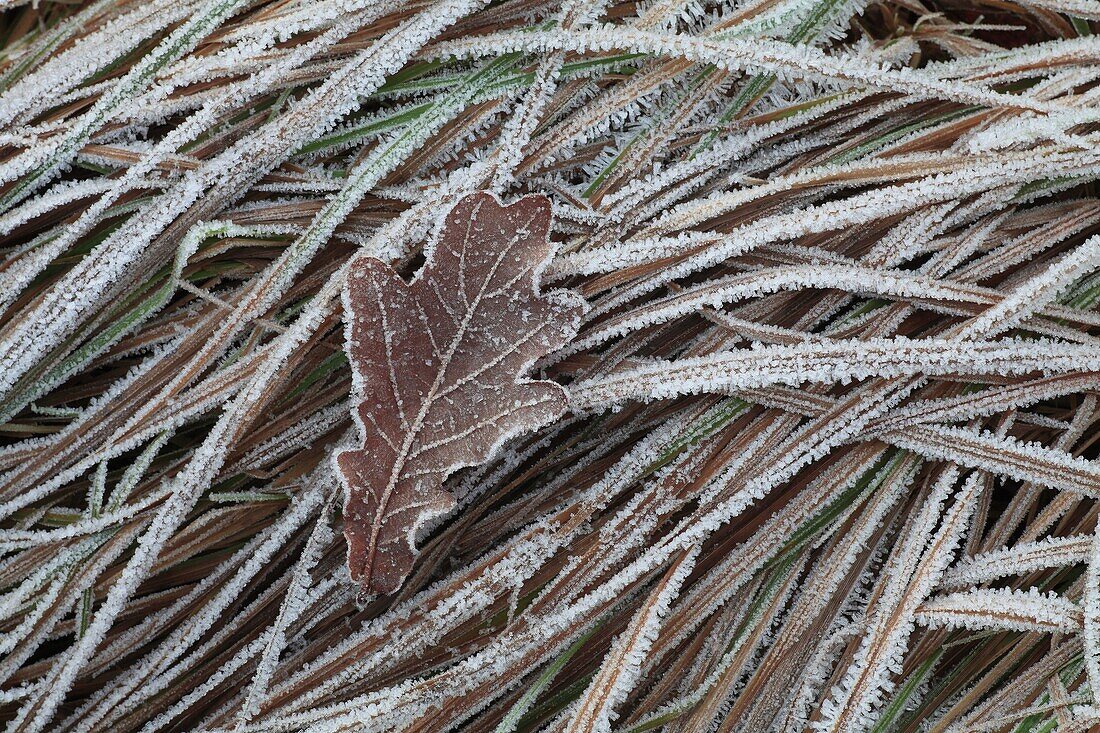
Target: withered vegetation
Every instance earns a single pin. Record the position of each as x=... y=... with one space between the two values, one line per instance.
x=829 y=458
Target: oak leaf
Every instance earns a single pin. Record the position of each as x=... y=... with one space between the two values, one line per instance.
x=438 y=372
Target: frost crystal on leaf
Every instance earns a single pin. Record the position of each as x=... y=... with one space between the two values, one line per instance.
x=439 y=372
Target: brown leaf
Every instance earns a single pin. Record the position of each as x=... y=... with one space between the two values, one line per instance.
x=439 y=368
